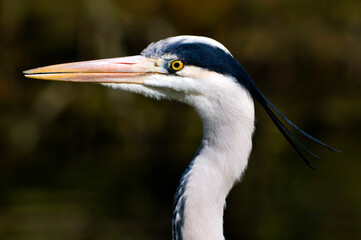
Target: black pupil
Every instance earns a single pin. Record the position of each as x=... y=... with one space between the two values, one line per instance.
x=176 y=65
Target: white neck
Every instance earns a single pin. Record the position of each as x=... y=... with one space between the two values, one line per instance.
x=221 y=160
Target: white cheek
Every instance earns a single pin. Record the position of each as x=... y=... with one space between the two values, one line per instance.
x=195 y=72
x=208 y=83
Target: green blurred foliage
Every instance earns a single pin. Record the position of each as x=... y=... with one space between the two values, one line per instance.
x=80 y=161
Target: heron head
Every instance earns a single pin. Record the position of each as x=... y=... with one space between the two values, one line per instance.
x=183 y=68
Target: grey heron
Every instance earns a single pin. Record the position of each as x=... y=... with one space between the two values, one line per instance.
x=201 y=72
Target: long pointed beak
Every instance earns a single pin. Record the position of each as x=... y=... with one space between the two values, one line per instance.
x=132 y=69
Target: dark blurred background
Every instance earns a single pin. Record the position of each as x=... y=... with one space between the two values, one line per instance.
x=84 y=162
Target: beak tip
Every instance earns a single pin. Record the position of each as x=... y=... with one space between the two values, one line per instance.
x=31 y=73
x=27 y=72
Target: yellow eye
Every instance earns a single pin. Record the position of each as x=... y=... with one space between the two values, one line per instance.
x=177 y=65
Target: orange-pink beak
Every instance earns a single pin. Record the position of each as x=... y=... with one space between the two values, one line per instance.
x=113 y=70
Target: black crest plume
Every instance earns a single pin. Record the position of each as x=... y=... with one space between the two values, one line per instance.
x=274 y=114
